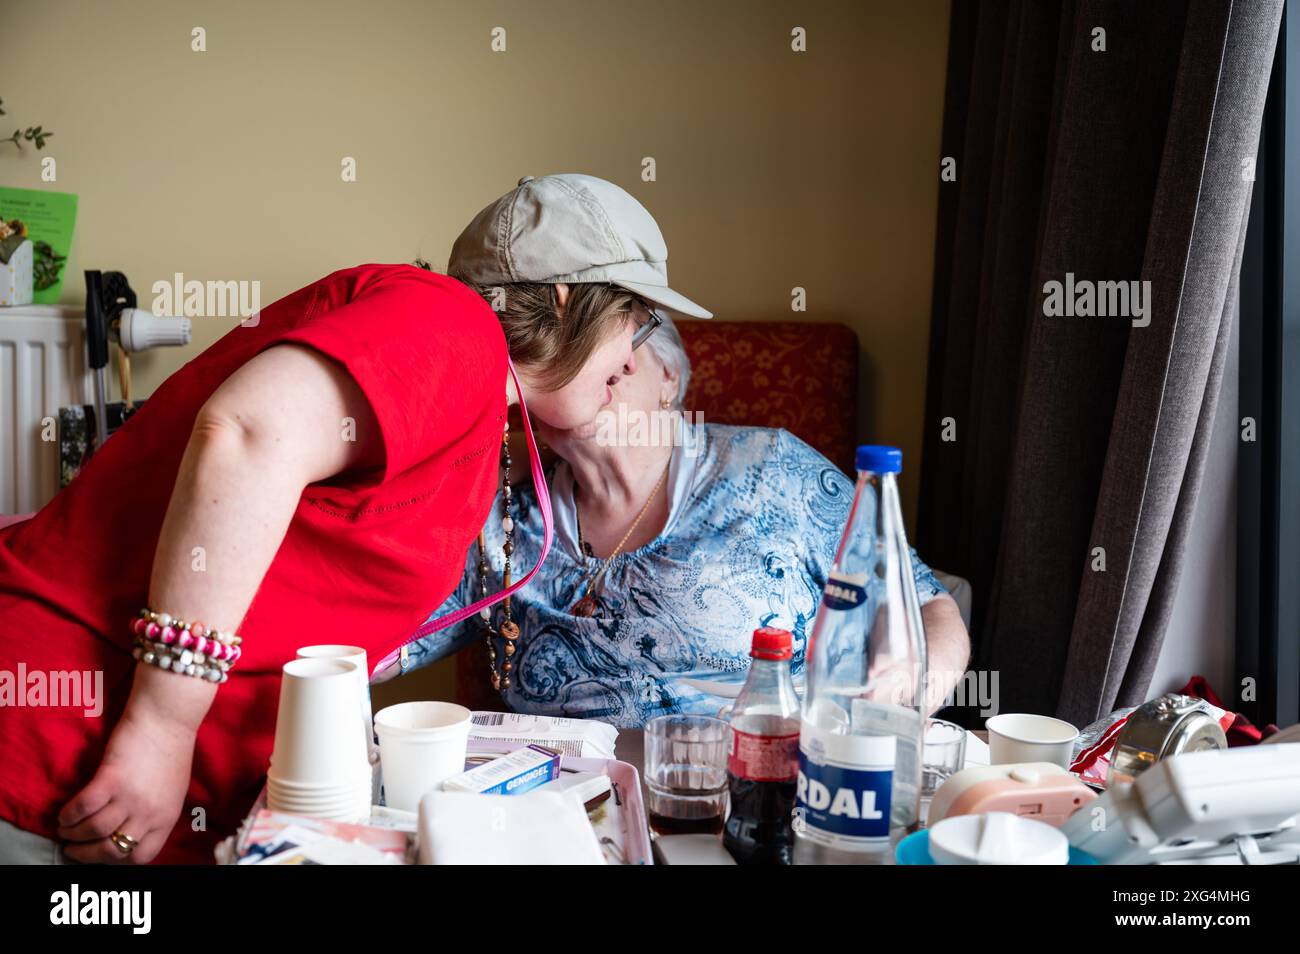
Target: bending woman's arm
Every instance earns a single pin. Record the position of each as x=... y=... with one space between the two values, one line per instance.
x=273 y=427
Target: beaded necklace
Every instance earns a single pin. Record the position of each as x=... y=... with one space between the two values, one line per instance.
x=508 y=631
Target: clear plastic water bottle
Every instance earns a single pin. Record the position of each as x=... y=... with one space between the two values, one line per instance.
x=863 y=716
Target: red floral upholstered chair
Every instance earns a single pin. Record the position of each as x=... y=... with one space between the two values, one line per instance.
x=799 y=376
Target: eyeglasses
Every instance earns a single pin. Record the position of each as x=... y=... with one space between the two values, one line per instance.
x=646 y=328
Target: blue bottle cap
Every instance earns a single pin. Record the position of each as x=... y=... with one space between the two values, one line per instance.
x=880 y=459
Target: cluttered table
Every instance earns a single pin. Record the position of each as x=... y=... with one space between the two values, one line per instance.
x=283 y=828
x=1014 y=793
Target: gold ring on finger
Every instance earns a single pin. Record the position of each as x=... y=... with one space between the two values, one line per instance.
x=123 y=842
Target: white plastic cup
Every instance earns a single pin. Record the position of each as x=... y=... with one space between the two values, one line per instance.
x=317 y=741
x=421 y=744
x=1019 y=737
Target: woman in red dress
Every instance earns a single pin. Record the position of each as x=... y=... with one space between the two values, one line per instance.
x=315 y=476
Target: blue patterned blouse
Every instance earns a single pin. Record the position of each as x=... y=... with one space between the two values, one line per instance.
x=755 y=517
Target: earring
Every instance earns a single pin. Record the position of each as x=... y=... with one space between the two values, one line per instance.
x=665 y=404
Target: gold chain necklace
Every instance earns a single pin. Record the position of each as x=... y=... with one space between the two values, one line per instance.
x=587 y=605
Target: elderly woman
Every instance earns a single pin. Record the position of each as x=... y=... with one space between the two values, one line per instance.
x=315 y=476
x=667 y=555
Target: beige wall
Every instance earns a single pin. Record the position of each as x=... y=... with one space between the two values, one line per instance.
x=775 y=169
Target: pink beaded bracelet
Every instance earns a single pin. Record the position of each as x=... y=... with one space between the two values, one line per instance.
x=190 y=648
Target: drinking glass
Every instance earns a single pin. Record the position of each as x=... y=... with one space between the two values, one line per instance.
x=686 y=773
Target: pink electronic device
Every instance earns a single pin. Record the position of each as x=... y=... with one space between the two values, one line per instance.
x=1040 y=790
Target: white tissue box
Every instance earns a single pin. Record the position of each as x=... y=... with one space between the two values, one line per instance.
x=16 y=277
x=537 y=828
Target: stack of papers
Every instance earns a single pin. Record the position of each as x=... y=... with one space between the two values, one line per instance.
x=276 y=838
x=583 y=738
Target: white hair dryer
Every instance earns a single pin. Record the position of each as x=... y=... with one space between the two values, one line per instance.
x=111 y=314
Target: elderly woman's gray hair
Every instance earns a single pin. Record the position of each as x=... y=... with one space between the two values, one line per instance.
x=666 y=345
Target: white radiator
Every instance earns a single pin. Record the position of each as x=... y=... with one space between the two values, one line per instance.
x=42 y=368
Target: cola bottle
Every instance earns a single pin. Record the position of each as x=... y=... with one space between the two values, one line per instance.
x=764 y=759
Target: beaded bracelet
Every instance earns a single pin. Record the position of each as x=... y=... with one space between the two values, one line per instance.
x=189 y=648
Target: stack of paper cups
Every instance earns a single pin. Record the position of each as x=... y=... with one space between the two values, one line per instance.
x=355 y=654
x=319 y=765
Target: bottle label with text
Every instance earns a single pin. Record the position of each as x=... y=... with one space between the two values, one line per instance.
x=764 y=758
x=844 y=786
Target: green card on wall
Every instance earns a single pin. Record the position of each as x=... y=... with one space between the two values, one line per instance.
x=49 y=217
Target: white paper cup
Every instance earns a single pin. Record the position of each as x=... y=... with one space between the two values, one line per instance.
x=315 y=788
x=317 y=736
x=324 y=808
x=421 y=744
x=342 y=798
x=357 y=655
x=321 y=795
x=1017 y=737
x=351 y=807
x=357 y=811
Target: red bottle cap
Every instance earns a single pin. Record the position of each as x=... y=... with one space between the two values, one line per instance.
x=772 y=643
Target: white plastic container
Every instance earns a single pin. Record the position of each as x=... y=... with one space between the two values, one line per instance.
x=997 y=838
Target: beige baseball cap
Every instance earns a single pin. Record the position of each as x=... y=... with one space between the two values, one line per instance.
x=569 y=228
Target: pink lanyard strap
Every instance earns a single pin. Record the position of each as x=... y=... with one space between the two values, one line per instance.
x=543 y=502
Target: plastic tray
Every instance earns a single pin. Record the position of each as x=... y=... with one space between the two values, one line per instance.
x=620 y=821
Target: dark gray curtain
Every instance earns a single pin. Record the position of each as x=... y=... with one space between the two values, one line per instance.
x=1081 y=433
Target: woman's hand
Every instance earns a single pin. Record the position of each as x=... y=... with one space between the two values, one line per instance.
x=947 y=651
x=893 y=683
x=139 y=789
